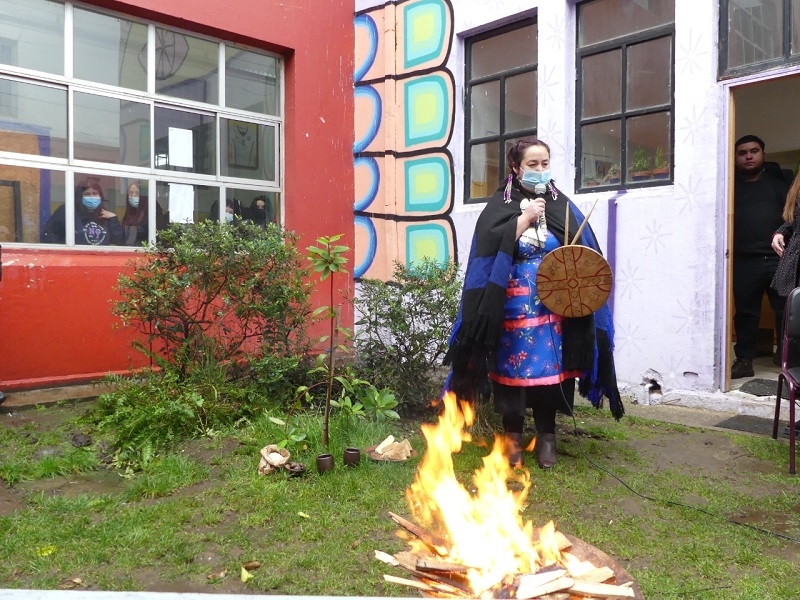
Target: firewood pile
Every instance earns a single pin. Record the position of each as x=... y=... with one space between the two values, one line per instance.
x=571 y=578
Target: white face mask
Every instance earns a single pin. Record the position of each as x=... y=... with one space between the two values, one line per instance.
x=228 y=217
x=133 y=201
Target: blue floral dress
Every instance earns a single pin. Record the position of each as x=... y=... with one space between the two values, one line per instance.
x=530 y=344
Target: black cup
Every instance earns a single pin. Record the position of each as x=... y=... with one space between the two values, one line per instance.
x=325 y=463
x=352 y=457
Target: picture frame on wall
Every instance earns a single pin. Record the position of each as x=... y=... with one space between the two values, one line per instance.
x=242 y=145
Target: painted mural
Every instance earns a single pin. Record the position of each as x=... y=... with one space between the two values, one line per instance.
x=404 y=115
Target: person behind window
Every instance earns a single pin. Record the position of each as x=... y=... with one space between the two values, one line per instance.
x=135 y=219
x=233 y=209
x=505 y=334
x=94 y=224
x=261 y=211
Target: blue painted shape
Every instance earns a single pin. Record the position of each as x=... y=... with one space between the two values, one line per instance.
x=366 y=224
x=426 y=109
x=427 y=183
x=368 y=24
x=423 y=37
x=428 y=240
x=371 y=94
x=371 y=165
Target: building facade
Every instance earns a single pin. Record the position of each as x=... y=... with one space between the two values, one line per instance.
x=187 y=105
x=639 y=100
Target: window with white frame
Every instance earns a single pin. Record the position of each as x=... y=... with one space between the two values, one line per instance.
x=501 y=91
x=625 y=93
x=111 y=128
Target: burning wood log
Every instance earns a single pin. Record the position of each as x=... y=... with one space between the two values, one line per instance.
x=432 y=541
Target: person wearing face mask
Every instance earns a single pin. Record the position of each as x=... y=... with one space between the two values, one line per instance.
x=505 y=343
x=233 y=209
x=260 y=211
x=94 y=224
x=135 y=220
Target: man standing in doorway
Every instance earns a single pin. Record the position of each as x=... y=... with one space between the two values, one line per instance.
x=758 y=198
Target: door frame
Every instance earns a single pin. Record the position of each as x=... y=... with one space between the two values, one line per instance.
x=724 y=329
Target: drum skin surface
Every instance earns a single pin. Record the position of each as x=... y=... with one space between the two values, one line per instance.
x=574 y=281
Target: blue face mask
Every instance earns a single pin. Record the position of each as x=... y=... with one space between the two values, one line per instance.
x=91 y=202
x=133 y=201
x=531 y=178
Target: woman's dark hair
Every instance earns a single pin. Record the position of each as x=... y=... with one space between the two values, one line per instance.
x=89 y=184
x=138 y=215
x=518 y=148
x=235 y=205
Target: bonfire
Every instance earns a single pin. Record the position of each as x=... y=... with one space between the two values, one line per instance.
x=464 y=543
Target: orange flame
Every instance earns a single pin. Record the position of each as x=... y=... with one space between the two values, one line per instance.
x=483 y=530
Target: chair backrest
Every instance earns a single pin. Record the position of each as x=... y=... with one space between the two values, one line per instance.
x=791 y=316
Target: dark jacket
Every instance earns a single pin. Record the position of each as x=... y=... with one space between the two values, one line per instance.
x=90 y=230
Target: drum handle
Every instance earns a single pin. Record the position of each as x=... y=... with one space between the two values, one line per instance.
x=580 y=229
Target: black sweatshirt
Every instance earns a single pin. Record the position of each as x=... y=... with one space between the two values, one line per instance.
x=757 y=206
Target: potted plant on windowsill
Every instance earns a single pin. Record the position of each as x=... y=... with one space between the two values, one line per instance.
x=640 y=167
x=590 y=182
x=660 y=165
x=614 y=175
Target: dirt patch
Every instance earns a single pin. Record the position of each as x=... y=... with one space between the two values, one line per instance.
x=9 y=501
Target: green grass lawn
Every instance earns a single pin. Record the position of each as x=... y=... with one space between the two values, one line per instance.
x=203 y=511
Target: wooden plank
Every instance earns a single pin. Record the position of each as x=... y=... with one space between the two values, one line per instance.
x=534 y=581
x=562 y=583
x=596 y=575
x=434 y=542
x=603 y=590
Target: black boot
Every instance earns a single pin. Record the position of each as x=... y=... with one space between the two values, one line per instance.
x=514 y=449
x=546 y=450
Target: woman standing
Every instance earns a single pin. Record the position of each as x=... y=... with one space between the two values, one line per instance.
x=786 y=243
x=503 y=332
x=94 y=224
x=135 y=220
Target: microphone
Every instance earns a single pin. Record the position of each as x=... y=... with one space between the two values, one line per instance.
x=539 y=190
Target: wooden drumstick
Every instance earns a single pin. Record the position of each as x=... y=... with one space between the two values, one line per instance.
x=580 y=229
x=566 y=226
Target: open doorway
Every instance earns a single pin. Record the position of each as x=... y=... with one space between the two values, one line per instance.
x=769 y=110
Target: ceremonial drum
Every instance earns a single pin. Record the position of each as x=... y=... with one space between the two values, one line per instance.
x=574 y=281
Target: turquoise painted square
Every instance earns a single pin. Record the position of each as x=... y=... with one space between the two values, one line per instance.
x=427 y=241
x=427 y=184
x=423 y=37
x=427 y=109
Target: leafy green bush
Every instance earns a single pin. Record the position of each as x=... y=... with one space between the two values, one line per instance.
x=218 y=293
x=403 y=329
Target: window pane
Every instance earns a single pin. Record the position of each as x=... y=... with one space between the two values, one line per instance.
x=96 y=221
x=111 y=130
x=604 y=20
x=250 y=150
x=795 y=12
x=755 y=31
x=504 y=52
x=188 y=203
x=485 y=110
x=32 y=35
x=256 y=205
x=521 y=98
x=484 y=169
x=35 y=119
x=186 y=66
x=27 y=199
x=600 y=153
x=650 y=74
x=601 y=84
x=110 y=50
x=251 y=81
x=185 y=141
x=648 y=139
x=134 y=208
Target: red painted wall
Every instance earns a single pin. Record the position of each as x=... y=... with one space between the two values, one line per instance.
x=55 y=321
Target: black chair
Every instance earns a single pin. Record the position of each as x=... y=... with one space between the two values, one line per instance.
x=790 y=373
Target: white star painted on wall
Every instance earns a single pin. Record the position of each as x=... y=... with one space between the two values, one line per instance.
x=688 y=194
x=628 y=279
x=549 y=82
x=555 y=32
x=685 y=318
x=693 y=125
x=628 y=339
x=654 y=237
x=688 y=55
